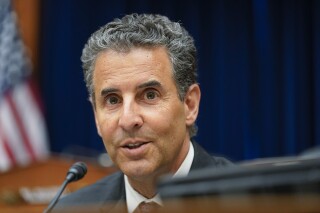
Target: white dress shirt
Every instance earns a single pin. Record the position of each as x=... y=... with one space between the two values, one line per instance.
x=134 y=198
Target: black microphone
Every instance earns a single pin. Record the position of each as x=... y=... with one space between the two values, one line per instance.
x=76 y=172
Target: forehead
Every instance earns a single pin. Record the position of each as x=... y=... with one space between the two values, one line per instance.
x=118 y=69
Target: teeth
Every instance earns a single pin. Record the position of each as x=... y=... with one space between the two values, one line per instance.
x=134 y=145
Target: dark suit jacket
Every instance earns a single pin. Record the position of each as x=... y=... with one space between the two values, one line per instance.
x=111 y=189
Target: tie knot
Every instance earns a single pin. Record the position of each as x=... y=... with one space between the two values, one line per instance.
x=145 y=207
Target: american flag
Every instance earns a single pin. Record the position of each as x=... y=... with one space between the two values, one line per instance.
x=23 y=137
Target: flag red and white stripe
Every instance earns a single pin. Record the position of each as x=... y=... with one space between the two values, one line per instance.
x=23 y=137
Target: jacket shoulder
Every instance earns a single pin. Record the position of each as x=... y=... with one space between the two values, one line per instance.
x=107 y=189
x=203 y=159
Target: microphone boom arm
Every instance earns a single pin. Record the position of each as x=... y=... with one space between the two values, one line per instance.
x=76 y=172
x=56 y=198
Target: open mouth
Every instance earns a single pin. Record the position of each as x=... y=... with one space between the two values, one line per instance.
x=134 y=145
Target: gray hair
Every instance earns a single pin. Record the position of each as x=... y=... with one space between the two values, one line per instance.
x=145 y=30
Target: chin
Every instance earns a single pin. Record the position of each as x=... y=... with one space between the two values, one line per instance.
x=138 y=172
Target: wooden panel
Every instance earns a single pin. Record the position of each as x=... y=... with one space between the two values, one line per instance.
x=255 y=203
x=242 y=203
x=42 y=180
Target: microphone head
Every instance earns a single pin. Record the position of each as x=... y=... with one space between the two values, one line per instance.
x=76 y=171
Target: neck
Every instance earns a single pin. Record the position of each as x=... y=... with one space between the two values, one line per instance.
x=147 y=187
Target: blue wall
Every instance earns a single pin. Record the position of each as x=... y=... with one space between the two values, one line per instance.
x=259 y=70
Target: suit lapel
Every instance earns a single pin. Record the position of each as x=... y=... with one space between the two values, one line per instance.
x=115 y=198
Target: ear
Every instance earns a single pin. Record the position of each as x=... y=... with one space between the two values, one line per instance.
x=191 y=102
x=95 y=115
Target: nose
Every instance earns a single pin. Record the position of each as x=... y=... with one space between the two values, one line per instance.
x=130 y=118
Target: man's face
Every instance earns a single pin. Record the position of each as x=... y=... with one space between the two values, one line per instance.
x=138 y=113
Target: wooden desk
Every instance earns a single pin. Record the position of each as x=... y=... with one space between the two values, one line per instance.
x=261 y=203
x=45 y=178
x=250 y=203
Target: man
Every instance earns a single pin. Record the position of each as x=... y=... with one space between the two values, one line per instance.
x=140 y=72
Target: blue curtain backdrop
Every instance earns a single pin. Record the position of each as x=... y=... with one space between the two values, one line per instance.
x=259 y=70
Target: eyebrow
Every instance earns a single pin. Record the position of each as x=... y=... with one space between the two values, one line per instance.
x=106 y=91
x=152 y=83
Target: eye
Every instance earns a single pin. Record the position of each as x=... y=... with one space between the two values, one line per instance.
x=112 y=100
x=150 y=95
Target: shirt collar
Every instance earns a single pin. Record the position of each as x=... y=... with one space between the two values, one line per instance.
x=134 y=198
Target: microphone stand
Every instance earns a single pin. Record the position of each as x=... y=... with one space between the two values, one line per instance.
x=56 y=198
x=76 y=172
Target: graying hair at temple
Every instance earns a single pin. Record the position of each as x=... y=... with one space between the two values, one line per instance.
x=145 y=30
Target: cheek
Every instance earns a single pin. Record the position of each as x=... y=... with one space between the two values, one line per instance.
x=161 y=121
x=169 y=123
x=107 y=123
x=176 y=118
x=107 y=127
